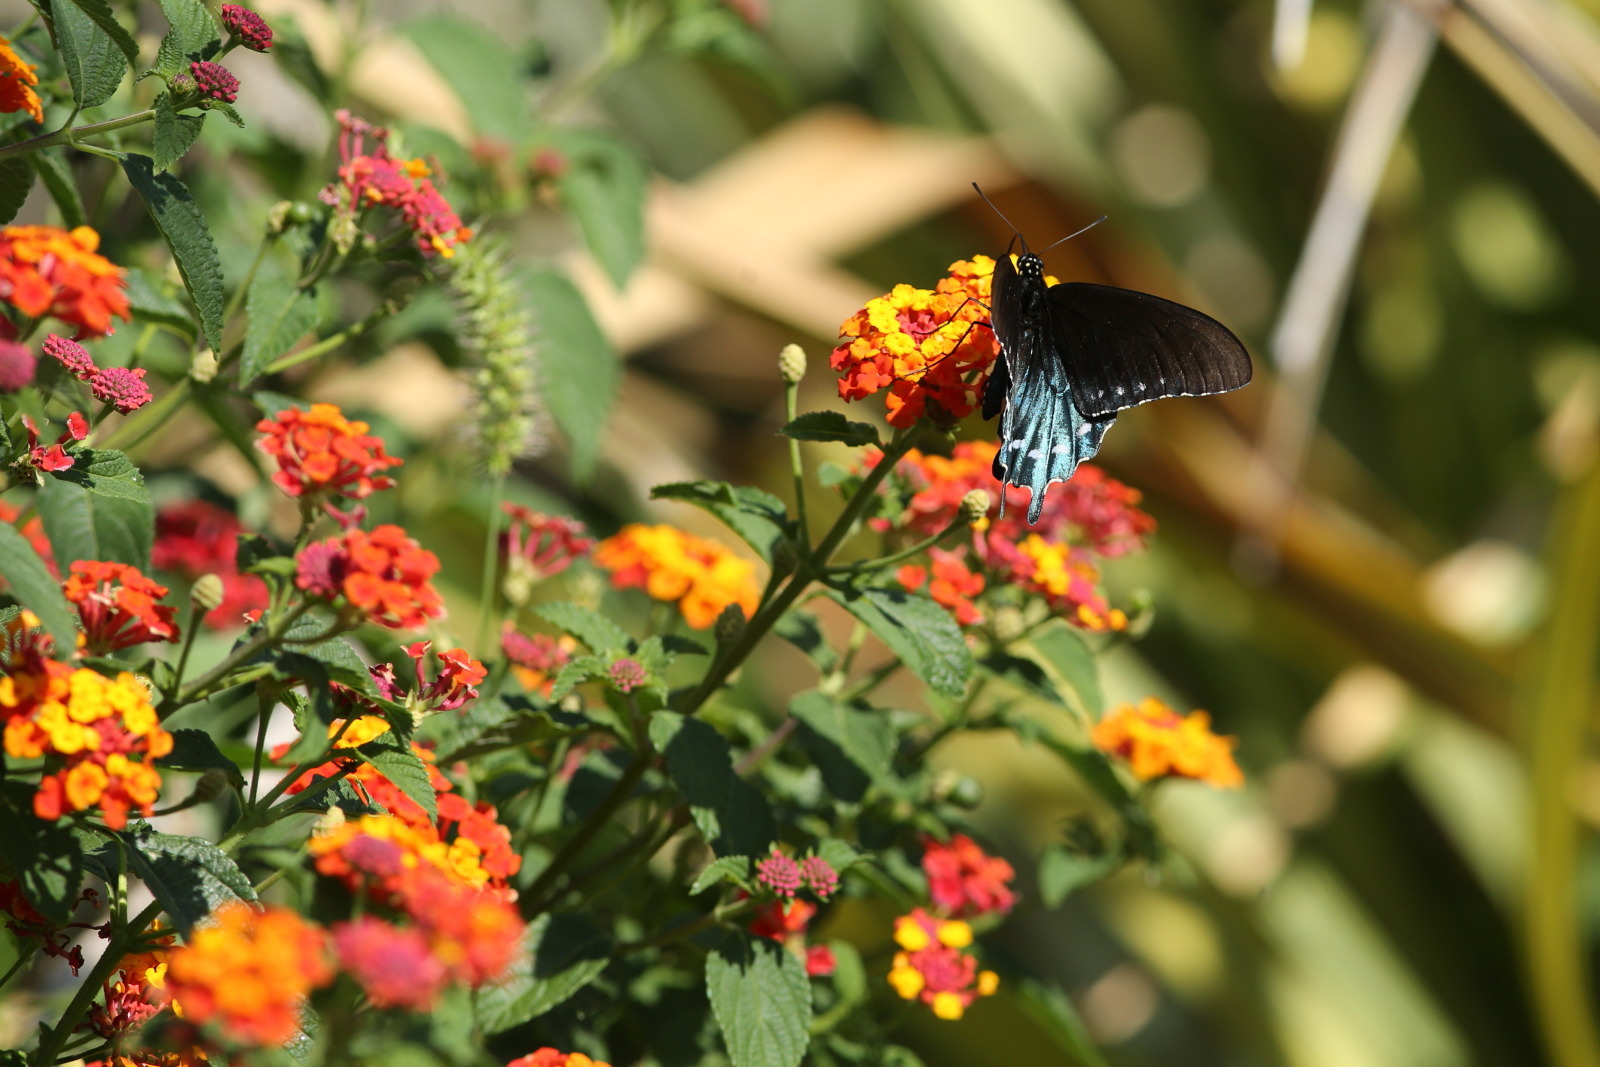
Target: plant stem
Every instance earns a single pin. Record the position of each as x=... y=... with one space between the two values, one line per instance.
x=491 y=561
x=53 y=1040
x=791 y=396
x=70 y=134
x=586 y=831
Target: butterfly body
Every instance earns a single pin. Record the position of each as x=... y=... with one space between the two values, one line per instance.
x=1072 y=355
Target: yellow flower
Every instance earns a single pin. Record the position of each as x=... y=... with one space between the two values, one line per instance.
x=703 y=576
x=1157 y=742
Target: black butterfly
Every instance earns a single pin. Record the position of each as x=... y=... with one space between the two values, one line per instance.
x=1072 y=355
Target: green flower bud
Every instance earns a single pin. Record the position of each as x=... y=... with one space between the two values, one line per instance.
x=730 y=625
x=792 y=364
x=207 y=592
x=975 y=505
x=204 y=366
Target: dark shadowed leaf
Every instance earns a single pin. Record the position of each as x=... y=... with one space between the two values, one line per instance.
x=754 y=514
x=563 y=954
x=99 y=509
x=43 y=856
x=732 y=815
x=917 y=630
x=851 y=748
x=190 y=877
x=178 y=218
x=831 y=426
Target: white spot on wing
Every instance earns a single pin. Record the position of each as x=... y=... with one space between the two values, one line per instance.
x=1034 y=453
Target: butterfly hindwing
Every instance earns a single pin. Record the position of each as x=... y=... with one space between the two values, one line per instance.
x=1121 y=347
x=1043 y=437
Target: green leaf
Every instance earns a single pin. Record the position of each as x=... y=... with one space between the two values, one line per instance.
x=831 y=426
x=754 y=514
x=99 y=509
x=599 y=633
x=851 y=748
x=333 y=660
x=1067 y=657
x=735 y=869
x=732 y=815
x=1025 y=674
x=45 y=858
x=190 y=877
x=1063 y=870
x=801 y=629
x=149 y=302
x=604 y=188
x=579 y=369
x=193 y=32
x=195 y=750
x=564 y=955
x=95 y=48
x=762 y=1000
x=30 y=582
x=178 y=218
x=16 y=180
x=840 y=855
x=56 y=174
x=1054 y=1014
x=393 y=759
x=280 y=314
x=485 y=74
x=175 y=133
x=917 y=630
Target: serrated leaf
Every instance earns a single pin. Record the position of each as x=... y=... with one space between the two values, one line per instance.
x=840 y=855
x=149 y=303
x=195 y=750
x=30 y=582
x=575 y=672
x=404 y=768
x=98 y=509
x=604 y=187
x=802 y=630
x=45 y=858
x=831 y=426
x=192 y=32
x=60 y=184
x=732 y=815
x=174 y=135
x=735 y=869
x=95 y=48
x=1063 y=870
x=280 y=314
x=485 y=74
x=1063 y=652
x=596 y=631
x=754 y=514
x=917 y=630
x=16 y=180
x=851 y=748
x=762 y=1000
x=562 y=955
x=578 y=368
x=190 y=877
x=178 y=218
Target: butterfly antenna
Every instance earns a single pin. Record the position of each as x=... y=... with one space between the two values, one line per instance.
x=1070 y=236
x=1002 y=215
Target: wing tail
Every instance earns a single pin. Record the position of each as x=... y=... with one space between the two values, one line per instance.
x=1043 y=438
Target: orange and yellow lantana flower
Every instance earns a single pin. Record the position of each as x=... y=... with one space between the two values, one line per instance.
x=45 y=270
x=704 y=577
x=1157 y=742
x=17 y=79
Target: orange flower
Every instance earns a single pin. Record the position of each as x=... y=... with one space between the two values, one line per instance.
x=702 y=576
x=321 y=454
x=536 y=659
x=47 y=270
x=954 y=584
x=250 y=970
x=103 y=729
x=134 y=993
x=923 y=345
x=17 y=79
x=932 y=966
x=383 y=573
x=117 y=606
x=963 y=880
x=1157 y=742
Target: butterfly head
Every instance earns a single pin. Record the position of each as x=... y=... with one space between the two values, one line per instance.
x=1029 y=265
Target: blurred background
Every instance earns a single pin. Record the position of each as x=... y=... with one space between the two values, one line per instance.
x=1376 y=565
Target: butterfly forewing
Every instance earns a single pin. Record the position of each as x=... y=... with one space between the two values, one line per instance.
x=1121 y=348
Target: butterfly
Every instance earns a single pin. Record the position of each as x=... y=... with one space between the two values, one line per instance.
x=1074 y=354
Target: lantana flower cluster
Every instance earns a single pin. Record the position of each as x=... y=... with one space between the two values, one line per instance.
x=1089 y=518
x=1157 y=742
x=45 y=270
x=99 y=736
x=17 y=79
x=785 y=918
x=117 y=606
x=931 y=349
x=702 y=577
x=934 y=964
x=369 y=176
x=121 y=387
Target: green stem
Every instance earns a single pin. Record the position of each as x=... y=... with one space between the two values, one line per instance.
x=327 y=344
x=770 y=612
x=183 y=654
x=718 y=916
x=53 y=1040
x=16 y=965
x=266 y=700
x=270 y=635
x=586 y=831
x=1559 y=701
x=150 y=418
x=869 y=566
x=487 y=598
x=237 y=300
x=791 y=398
x=70 y=134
